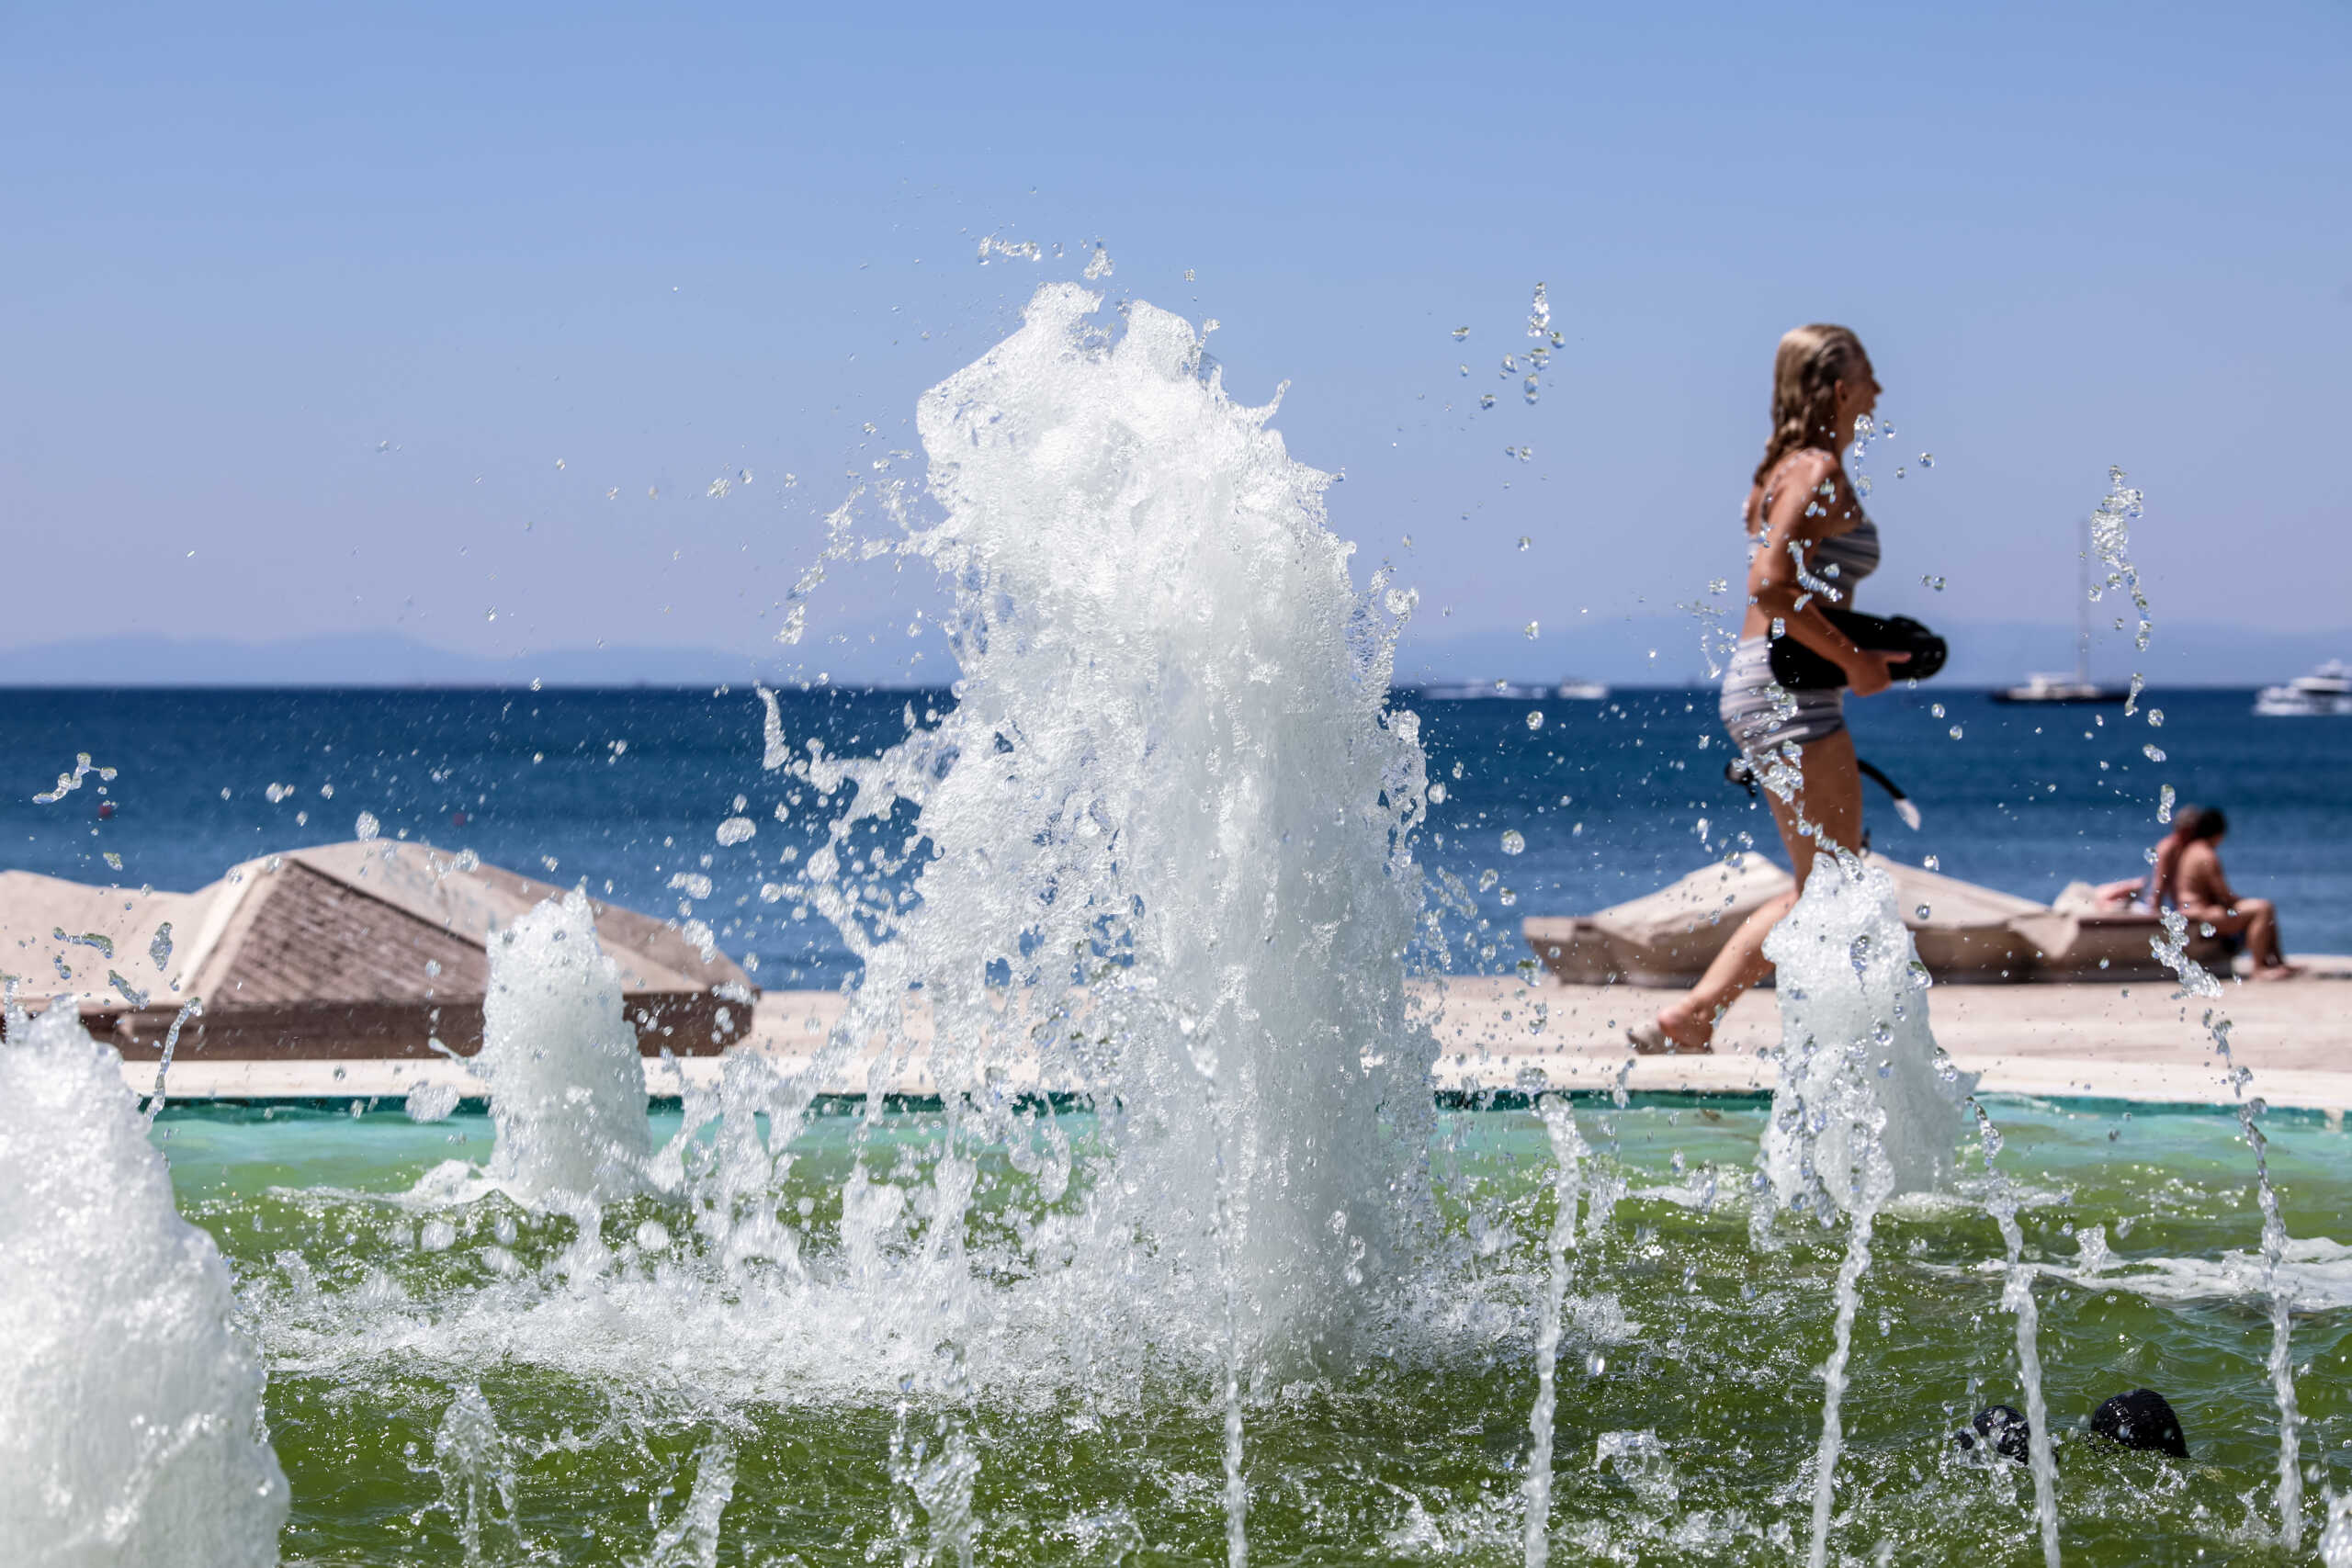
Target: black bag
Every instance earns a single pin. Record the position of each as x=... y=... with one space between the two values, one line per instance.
x=1800 y=668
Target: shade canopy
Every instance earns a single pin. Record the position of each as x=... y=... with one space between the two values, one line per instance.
x=1965 y=933
x=367 y=948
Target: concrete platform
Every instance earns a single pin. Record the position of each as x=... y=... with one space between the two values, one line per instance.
x=2141 y=1042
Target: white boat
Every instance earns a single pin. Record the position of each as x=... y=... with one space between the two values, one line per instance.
x=2078 y=687
x=2325 y=693
x=1570 y=690
x=1509 y=690
x=2048 y=688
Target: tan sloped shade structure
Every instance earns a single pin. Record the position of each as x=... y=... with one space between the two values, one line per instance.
x=1965 y=934
x=360 y=949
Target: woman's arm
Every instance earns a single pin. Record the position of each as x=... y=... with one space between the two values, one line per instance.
x=1803 y=508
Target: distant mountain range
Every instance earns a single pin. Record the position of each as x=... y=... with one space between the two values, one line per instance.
x=361 y=659
x=1658 y=650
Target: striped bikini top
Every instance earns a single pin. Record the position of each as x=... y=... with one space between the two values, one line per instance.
x=1855 y=553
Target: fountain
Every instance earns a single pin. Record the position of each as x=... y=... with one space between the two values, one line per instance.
x=1178 y=1257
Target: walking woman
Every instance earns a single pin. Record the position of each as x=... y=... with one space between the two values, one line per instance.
x=1801 y=508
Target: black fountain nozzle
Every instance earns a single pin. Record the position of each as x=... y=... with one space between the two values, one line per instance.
x=2002 y=1428
x=2141 y=1419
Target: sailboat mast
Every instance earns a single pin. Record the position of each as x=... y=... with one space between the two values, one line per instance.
x=2083 y=607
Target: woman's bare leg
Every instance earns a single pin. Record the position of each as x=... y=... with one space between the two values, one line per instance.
x=1827 y=806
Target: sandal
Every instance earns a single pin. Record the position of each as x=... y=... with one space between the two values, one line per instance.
x=1649 y=1040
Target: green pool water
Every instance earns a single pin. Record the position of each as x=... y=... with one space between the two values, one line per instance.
x=375 y=1312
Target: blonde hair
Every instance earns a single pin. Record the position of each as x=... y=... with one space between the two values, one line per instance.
x=1805 y=372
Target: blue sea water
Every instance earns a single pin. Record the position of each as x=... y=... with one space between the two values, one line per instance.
x=626 y=788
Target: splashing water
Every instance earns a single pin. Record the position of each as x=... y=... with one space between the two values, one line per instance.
x=1567 y=1154
x=2016 y=1296
x=567 y=1087
x=2112 y=539
x=129 y=1403
x=691 y=1540
x=2111 y=542
x=2336 y=1540
x=1162 y=844
x=1865 y=1108
x=476 y=1471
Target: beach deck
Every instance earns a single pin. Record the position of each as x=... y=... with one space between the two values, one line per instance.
x=2142 y=1042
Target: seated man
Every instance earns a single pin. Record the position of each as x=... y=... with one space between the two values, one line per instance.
x=2198 y=889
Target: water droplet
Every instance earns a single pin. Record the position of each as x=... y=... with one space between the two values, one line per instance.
x=2165 y=798
x=1937 y=709
x=1539 y=315
x=2156 y=718
x=1917 y=973
x=1536 y=719
x=1437 y=794
x=1487 y=878
x=1927 y=459
x=1955 y=732
x=1486 y=400
x=1514 y=842
x=1461 y=333
x=1898 y=470
x=1525 y=542
x=1532 y=626
x=2152 y=753
x=365 y=827
x=1933 y=863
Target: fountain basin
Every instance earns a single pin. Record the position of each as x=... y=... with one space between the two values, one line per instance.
x=376 y=1306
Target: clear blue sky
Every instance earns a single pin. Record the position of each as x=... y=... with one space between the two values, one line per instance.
x=323 y=293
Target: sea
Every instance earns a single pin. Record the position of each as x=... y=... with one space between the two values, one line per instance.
x=1549 y=808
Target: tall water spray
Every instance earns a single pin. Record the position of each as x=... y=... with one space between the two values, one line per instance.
x=131 y=1403
x=2016 y=1296
x=2112 y=540
x=567 y=1087
x=1866 y=1108
x=1164 y=862
x=1567 y=1166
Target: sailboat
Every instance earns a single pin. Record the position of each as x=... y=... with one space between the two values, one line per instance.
x=2043 y=687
